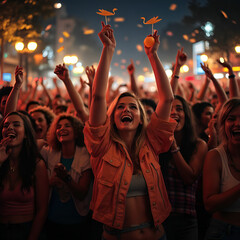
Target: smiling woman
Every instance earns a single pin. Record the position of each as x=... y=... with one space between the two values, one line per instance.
x=24 y=184
x=70 y=179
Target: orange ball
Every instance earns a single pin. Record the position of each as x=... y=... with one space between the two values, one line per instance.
x=149 y=41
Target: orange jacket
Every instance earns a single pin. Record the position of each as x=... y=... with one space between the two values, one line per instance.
x=113 y=169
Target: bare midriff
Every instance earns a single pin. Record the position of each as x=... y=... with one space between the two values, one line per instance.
x=137 y=212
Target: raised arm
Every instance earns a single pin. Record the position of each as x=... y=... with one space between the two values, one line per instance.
x=62 y=72
x=202 y=92
x=219 y=90
x=46 y=92
x=98 y=109
x=133 y=84
x=12 y=100
x=90 y=72
x=181 y=59
x=233 y=85
x=163 y=109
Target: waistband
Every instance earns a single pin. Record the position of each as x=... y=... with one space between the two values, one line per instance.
x=113 y=231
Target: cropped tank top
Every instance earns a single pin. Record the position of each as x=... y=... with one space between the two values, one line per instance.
x=228 y=181
x=138 y=186
x=16 y=202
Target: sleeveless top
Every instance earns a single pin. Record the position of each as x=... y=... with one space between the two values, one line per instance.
x=16 y=201
x=228 y=181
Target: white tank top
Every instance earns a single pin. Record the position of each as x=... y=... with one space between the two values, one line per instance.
x=228 y=181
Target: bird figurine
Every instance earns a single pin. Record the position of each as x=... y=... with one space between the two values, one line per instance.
x=149 y=41
x=106 y=13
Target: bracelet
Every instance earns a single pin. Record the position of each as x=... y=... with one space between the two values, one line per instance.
x=176 y=76
x=231 y=76
x=175 y=150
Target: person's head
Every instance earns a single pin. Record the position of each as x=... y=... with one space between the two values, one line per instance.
x=65 y=129
x=18 y=127
x=57 y=101
x=229 y=122
x=127 y=114
x=149 y=106
x=32 y=104
x=203 y=112
x=61 y=109
x=4 y=92
x=43 y=117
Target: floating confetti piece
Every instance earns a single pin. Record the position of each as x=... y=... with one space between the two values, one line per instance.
x=48 y=27
x=224 y=14
x=145 y=69
x=192 y=40
x=123 y=67
x=87 y=31
x=139 y=48
x=140 y=25
x=179 y=44
x=119 y=19
x=116 y=64
x=138 y=62
x=119 y=52
x=234 y=22
x=123 y=60
x=185 y=37
x=196 y=31
x=61 y=40
x=173 y=7
x=106 y=13
x=66 y=34
x=193 y=34
x=169 y=33
x=60 y=49
x=215 y=40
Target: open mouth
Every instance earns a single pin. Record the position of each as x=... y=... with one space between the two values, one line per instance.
x=176 y=119
x=236 y=133
x=11 y=135
x=126 y=119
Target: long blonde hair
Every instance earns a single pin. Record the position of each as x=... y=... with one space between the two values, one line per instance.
x=141 y=131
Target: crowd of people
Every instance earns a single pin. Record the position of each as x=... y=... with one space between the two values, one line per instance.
x=102 y=164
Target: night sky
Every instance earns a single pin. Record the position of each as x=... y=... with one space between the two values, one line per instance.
x=132 y=31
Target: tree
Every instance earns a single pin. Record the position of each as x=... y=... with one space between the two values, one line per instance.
x=21 y=19
x=224 y=16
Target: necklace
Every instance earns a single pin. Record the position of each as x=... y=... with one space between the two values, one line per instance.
x=231 y=162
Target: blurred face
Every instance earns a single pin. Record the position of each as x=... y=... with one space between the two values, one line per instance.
x=127 y=114
x=3 y=103
x=13 y=128
x=57 y=102
x=206 y=116
x=65 y=131
x=178 y=114
x=232 y=126
x=32 y=106
x=149 y=111
x=41 y=125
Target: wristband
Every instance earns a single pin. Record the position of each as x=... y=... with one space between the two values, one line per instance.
x=175 y=150
x=231 y=76
x=176 y=76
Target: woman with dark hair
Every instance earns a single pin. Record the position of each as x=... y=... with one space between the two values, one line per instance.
x=221 y=176
x=129 y=195
x=181 y=167
x=70 y=179
x=24 y=184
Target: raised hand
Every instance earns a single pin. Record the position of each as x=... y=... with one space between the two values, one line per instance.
x=90 y=72
x=207 y=70
x=181 y=58
x=106 y=36
x=62 y=72
x=19 y=76
x=61 y=171
x=131 y=68
x=154 y=48
x=4 y=151
x=226 y=64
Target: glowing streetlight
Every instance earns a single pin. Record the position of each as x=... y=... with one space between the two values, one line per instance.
x=204 y=57
x=57 y=5
x=32 y=46
x=19 y=46
x=70 y=60
x=237 y=49
x=184 y=69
